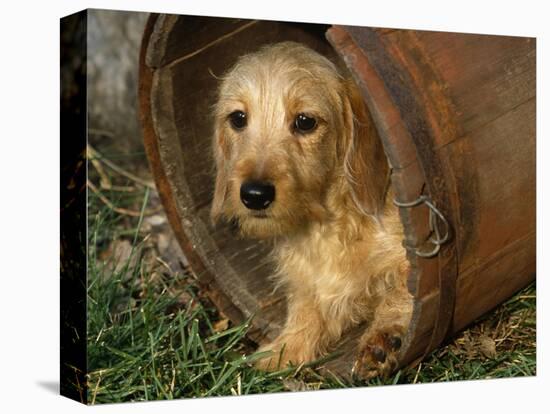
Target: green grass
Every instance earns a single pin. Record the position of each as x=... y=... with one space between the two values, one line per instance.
x=143 y=344
x=152 y=335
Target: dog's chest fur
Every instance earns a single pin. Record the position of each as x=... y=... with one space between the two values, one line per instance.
x=338 y=275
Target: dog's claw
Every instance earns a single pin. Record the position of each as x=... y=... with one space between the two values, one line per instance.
x=379 y=354
x=395 y=343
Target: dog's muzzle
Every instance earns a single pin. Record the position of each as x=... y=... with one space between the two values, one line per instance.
x=257 y=195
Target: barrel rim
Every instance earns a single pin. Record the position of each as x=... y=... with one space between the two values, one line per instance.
x=150 y=138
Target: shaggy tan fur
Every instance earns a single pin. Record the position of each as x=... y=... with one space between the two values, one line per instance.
x=337 y=236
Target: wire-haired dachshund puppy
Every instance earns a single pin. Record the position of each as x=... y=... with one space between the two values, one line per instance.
x=299 y=161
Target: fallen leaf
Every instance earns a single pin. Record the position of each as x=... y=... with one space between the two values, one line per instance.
x=117 y=256
x=468 y=345
x=487 y=346
x=292 y=384
x=221 y=325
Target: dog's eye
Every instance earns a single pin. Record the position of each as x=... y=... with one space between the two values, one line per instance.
x=304 y=123
x=237 y=119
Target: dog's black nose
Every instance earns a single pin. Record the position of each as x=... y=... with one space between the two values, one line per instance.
x=257 y=195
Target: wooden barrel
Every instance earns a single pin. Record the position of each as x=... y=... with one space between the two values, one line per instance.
x=456 y=114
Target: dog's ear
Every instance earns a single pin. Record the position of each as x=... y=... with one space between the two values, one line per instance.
x=220 y=188
x=365 y=164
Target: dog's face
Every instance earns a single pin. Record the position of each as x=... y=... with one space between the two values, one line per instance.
x=283 y=125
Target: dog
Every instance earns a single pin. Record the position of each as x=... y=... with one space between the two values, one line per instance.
x=299 y=161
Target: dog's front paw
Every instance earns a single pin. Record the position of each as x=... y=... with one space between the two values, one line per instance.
x=378 y=352
x=285 y=351
x=273 y=359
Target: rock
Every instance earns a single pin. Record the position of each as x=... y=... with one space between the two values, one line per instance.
x=114 y=39
x=156 y=220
